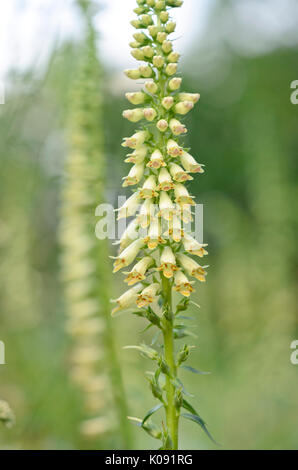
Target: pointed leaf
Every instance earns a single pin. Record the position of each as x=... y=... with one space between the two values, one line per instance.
x=195 y=371
x=151 y=412
x=197 y=419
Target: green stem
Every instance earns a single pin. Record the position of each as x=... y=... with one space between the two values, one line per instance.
x=172 y=414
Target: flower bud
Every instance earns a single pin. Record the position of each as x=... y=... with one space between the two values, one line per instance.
x=155 y=389
x=140 y=10
x=162 y=125
x=164 y=16
x=161 y=37
x=134 y=176
x=148 y=52
x=170 y=27
x=134 y=74
x=141 y=2
x=178 y=400
x=177 y=128
x=146 y=71
x=175 y=83
x=156 y=160
x=167 y=47
x=136 y=24
x=194 y=97
x=171 y=69
x=160 y=5
x=158 y=61
x=151 y=3
x=147 y=20
x=135 y=44
x=168 y=102
x=136 y=140
x=174 y=3
x=136 y=97
x=151 y=87
x=174 y=57
x=173 y=148
x=137 y=54
x=185 y=351
x=184 y=107
x=150 y=114
x=190 y=164
x=153 y=31
x=140 y=37
x=133 y=115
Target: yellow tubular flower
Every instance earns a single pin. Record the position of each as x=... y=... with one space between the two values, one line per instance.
x=128 y=255
x=167 y=263
x=146 y=213
x=148 y=295
x=156 y=160
x=149 y=188
x=154 y=237
x=182 y=284
x=165 y=180
x=137 y=274
x=192 y=267
x=193 y=247
x=127 y=299
x=134 y=176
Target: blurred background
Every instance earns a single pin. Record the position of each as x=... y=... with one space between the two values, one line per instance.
x=242 y=57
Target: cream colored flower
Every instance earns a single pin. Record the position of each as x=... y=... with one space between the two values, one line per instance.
x=148 y=295
x=129 y=235
x=138 y=156
x=184 y=107
x=127 y=256
x=193 y=247
x=182 y=284
x=136 y=97
x=137 y=274
x=134 y=176
x=166 y=206
x=190 y=164
x=154 y=237
x=146 y=213
x=149 y=189
x=192 y=267
x=156 y=160
x=194 y=97
x=130 y=207
x=175 y=230
x=177 y=128
x=136 y=140
x=173 y=149
x=179 y=174
x=133 y=115
x=182 y=195
x=127 y=299
x=165 y=180
x=168 y=263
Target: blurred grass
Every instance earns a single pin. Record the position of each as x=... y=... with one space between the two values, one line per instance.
x=244 y=130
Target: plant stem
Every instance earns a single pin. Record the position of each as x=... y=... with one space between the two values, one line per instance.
x=172 y=415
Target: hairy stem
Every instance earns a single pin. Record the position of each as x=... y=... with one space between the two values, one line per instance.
x=168 y=335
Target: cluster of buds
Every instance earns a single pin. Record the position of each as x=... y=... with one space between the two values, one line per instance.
x=161 y=167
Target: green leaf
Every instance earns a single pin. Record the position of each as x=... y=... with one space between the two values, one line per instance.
x=151 y=412
x=189 y=407
x=197 y=419
x=148 y=352
x=195 y=371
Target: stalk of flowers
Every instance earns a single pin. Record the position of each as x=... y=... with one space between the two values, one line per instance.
x=165 y=256
x=94 y=365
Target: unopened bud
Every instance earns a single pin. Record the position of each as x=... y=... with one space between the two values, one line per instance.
x=134 y=44
x=146 y=71
x=133 y=74
x=177 y=128
x=153 y=30
x=162 y=125
x=151 y=3
x=183 y=355
x=136 y=24
x=173 y=57
x=140 y=10
x=164 y=16
x=184 y=107
x=161 y=37
x=178 y=400
x=133 y=115
x=167 y=47
x=175 y=83
x=137 y=54
x=147 y=20
x=171 y=69
x=155 y=389
x=136 y=98
x=140 y=37
x=148 y=51
x=158 y=61
x=151 y=87
x=174 y=3
x=170 y=27
x=160 y=5
x=168 y=102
